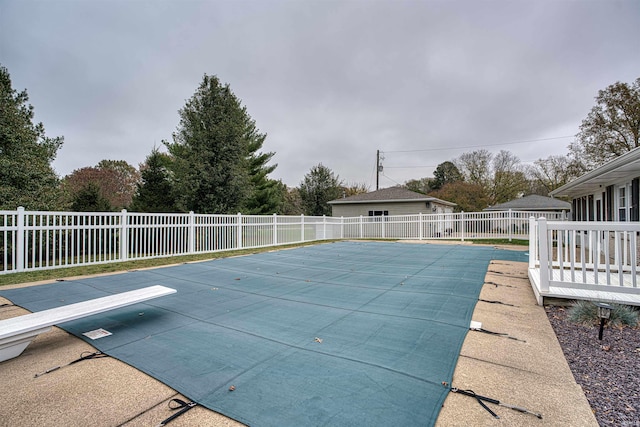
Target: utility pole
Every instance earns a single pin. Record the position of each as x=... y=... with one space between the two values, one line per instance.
x=378 y=169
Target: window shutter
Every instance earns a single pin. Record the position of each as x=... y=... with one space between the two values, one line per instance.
x=610 y=216
x=635 y=212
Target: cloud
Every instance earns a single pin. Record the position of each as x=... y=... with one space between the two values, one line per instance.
x=329 y=82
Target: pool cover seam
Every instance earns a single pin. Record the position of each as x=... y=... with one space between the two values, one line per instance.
x=346 y=285
x=351 y=310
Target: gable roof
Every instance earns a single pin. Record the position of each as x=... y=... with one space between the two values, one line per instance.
x=532 y=202
x=626 y=166
x=389 y=195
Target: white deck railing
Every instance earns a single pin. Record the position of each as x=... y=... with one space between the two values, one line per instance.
x=596 y=256
x=33 y=240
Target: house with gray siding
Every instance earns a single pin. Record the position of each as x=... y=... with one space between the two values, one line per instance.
x=608 y=193
x=389 y=201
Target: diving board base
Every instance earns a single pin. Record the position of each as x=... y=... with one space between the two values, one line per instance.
x=11 y=347
x=17 y=332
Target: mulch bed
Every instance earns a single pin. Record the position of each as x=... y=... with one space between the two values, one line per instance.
x=608 y=371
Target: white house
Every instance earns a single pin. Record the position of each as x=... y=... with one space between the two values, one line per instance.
x=608 y=193
x=596 y=256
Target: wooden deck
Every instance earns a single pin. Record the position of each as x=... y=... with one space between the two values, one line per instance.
x=587 y=285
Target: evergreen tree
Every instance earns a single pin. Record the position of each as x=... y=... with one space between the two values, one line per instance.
x=445 y=173
x=155 y=191
x=217 y=165
x=26 y=176
x=266 y=195
x=90 y=199
x=318 y=187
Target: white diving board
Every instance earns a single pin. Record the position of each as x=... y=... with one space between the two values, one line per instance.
x=16 y=333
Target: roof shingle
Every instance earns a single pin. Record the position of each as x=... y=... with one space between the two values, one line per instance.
x=391 y=194
x=532 y=202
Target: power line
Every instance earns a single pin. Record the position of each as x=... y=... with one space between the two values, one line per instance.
x=435 y=166
x=480 y=146
x=409 y=167
x=390 y=179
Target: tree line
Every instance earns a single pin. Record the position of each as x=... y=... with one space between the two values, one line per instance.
x=215 y=163
x=479 y=179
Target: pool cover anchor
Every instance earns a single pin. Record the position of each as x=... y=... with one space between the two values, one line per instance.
x=83 y=356
x=182 y=405
x=482 y=399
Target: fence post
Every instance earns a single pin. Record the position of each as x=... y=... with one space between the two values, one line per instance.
x=420 y=226
x=192 y=232
x=324 y=227
x=124 y=235
x=20 y=239
x=239 y=230
x=464 y=226
x=510 y=224
x=544 y=254
x=533 y=237
x=302 y=227
x=275 y=229
x=361 y=226
x=384 y=235
x=342 y=227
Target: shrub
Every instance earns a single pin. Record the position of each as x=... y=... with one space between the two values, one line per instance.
x=586 y=313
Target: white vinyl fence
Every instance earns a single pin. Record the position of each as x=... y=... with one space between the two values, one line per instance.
x=32 y=240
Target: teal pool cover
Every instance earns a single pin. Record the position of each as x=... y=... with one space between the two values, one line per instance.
x=348 y=333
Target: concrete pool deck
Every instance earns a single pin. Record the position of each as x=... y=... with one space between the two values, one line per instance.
x=530 y=372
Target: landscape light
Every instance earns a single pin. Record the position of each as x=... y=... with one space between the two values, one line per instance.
x=604 y=313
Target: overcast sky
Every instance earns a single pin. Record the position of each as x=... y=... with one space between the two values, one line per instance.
x=329 y=82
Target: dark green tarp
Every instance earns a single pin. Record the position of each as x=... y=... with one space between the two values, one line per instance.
x=348 y=333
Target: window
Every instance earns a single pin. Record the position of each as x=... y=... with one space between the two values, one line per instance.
x=622 y=204
x=378 y=214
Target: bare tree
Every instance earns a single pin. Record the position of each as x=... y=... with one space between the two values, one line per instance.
x=502 y=176
x=509 y=179
x=551 y=173
x=475 y=167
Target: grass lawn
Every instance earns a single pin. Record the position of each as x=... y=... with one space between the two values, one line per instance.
x=57 y=273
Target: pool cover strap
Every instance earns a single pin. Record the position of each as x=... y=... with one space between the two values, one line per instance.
x=479 y=399
x=177 y=404
x=482 y=399
x=83 y=356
